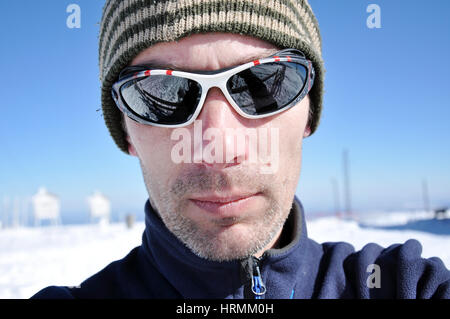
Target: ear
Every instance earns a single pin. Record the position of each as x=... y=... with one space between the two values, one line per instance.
x=131 y=148
x=307 y=131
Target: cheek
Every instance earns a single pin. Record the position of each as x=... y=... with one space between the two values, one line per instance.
x=290 y=150
x=147 y=139
x=292 y=128
x=153 y=147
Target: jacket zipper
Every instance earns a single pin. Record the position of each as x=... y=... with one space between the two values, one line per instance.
x=258 y=287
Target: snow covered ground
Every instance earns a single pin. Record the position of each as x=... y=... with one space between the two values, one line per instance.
x=34 y=258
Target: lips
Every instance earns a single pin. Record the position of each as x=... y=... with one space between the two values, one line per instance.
x=221 y=199
x=226 y=206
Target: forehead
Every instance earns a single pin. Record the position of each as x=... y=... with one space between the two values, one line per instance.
x=208 y=51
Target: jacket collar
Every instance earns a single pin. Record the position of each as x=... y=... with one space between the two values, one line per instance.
x=196 y=277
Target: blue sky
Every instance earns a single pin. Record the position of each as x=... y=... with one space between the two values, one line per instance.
x=387 y=101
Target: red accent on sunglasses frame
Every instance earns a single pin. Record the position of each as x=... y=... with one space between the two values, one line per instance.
x=147 y=73
x=288 y=58
x=277 y=58
x=169 y=72
x=256 y=62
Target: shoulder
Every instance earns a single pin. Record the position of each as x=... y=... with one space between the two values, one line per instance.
x=398 y=271
x=133 y=276
x=416 y=277
x=54 y=292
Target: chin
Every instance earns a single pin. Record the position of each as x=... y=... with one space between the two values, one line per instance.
x=228 y=243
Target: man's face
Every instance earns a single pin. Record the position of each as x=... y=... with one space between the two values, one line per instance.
x=221 y=210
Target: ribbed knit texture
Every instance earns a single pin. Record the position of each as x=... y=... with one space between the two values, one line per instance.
x=130 y=26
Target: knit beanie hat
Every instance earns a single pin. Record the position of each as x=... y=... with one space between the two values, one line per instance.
x=130 y=26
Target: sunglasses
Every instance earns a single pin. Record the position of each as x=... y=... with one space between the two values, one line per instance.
x=257 y=89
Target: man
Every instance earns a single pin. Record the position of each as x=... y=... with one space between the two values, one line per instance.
x=201 y=92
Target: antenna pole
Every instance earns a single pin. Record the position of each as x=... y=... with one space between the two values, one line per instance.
x=346 y=169
x=337 y=206
x=425 y=195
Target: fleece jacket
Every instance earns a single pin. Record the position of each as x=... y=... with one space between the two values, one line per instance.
x=163 y=267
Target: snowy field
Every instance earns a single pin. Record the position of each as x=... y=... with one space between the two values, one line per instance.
x=34 y=258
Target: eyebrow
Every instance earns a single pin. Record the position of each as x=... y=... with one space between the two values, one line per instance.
x=158 y=64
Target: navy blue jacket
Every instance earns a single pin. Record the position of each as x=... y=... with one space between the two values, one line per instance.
x=162 y=267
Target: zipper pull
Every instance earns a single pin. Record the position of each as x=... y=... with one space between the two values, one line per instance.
x=258 y=287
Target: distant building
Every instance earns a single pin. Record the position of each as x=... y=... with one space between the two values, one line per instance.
x=99 y=207
x=46 y=206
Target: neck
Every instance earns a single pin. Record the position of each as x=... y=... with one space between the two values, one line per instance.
x=274 y=243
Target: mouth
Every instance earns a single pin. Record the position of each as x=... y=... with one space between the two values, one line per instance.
x=226 y=206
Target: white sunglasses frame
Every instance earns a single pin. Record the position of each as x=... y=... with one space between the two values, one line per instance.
x=217 y=79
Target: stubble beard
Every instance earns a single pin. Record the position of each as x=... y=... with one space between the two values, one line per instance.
x=228 y=243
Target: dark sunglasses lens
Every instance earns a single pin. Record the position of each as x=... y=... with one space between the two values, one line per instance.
x=162 y=99
x=267 y=88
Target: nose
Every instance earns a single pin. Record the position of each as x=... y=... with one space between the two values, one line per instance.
x=223 y=144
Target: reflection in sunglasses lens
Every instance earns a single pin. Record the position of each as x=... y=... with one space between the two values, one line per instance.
x=268 y=87
x=162 y=99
